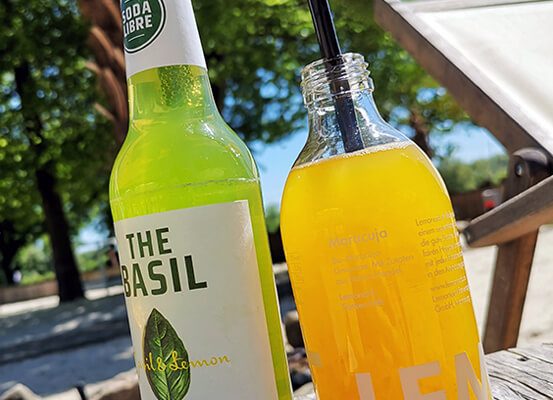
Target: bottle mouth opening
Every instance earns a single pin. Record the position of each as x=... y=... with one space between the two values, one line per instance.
x=327 y=78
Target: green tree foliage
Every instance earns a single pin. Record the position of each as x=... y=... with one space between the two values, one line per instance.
x=55 y=151
x=461 y=177
x=255 y=50
x=34 y=261
x=53 y=158
x=272 y=218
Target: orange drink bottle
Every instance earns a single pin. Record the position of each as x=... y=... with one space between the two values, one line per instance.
x=374 y=257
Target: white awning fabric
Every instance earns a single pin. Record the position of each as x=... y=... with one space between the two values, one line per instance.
x=504 y=47
x=512 y=45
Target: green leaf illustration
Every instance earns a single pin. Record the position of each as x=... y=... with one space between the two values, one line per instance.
x=165 y=351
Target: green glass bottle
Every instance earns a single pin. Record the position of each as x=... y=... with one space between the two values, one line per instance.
x=186 y=201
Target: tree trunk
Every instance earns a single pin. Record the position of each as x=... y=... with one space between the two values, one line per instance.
x=219 y=96
x=9 y=246
x=8 y=254
x=65 y=266
x=67 y=273
x=421 y=132
x=219 y=90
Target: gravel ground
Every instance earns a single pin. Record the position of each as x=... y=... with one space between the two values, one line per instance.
x=58 y=372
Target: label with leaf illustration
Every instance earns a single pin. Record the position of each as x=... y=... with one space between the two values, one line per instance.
x=163 y=344
x=191 y=282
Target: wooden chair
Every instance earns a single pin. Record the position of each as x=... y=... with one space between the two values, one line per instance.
x=447 y=38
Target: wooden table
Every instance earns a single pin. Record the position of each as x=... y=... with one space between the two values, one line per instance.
x=521 y=374
x=525 y=373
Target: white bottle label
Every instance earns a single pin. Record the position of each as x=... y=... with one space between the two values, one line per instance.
x=159 y=33
x=195 y=305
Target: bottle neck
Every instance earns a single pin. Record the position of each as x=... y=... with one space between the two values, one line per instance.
x=160 y=33
x=176 y=91
x=327 y=90
x=323 y=115
x=167 y=75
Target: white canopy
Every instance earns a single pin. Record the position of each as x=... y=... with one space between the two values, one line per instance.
x=495 y=57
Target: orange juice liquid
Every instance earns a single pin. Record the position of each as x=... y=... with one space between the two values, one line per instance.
x=378 y=277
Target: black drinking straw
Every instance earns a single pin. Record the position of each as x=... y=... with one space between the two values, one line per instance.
x=331 y=52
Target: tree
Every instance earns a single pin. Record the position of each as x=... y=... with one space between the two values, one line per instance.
x=257 y=48
x=462 y=177
x=272 y=218
x=48 y=120
x=20 y=222
x=255 y=53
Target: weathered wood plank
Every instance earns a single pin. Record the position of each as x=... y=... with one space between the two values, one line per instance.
x=518 y=216
x=515 y=374
x=543 y=354
x=514 y=258
x=508 y=294
x=522 y=373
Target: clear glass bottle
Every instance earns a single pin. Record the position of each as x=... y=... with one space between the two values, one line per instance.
x=374 y=257
x=186 y=201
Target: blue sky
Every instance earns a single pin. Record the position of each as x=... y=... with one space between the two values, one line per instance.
x=274 y=161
